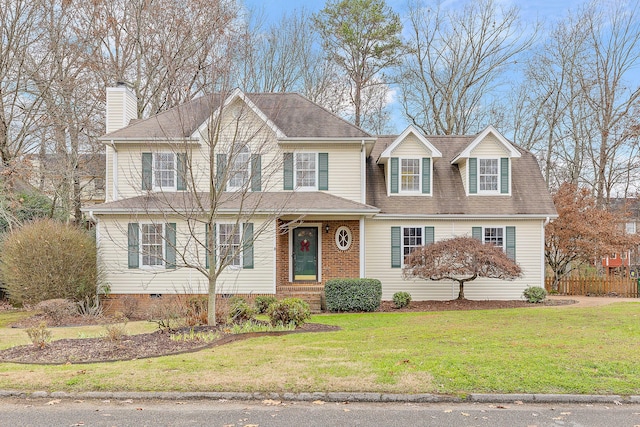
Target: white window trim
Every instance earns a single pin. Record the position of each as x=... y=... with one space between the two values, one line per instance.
x=489 y=192
x=349 y=238
x=163 y=261
x=630 y=225
x=248 y=182
x=402 y=228
x=155 y=186
x=504 y=236
x=411 y=192
x=240 y=229
x=295 y=172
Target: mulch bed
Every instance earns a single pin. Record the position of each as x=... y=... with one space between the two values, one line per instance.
x=92 y=350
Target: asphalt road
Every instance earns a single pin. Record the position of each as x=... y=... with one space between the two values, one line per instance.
x=25 y=412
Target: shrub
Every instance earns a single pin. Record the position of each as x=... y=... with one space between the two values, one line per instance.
x=535 y=294
x=39 y=335
x=240 y=311
x=57 y=309
x=196 y=310
x=401 y=299
x=353 y=294
x=117 y=329
x=263 y=302
x=129 y=306
x=166 y=313
x=46 y=259
x=289 y=311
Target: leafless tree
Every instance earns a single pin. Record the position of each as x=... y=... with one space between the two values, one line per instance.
x=457 y=60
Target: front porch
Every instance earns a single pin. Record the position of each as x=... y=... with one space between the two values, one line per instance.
x=310 y=252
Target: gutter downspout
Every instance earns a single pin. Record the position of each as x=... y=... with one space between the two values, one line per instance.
x=542 y=267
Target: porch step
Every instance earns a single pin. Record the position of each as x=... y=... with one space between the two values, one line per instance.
x=313 y=295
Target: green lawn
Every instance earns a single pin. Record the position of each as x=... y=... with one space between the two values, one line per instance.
x=533 y=350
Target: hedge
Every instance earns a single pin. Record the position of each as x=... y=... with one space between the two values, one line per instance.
x=353 y=294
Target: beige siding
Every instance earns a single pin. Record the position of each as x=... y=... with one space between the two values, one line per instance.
x=529 y=255
x=121 y=108
x=489 y=147
x=123 y=280
x=463 y=174
x=108 y=179
x=411 y=147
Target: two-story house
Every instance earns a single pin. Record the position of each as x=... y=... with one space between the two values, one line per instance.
x=299 y=196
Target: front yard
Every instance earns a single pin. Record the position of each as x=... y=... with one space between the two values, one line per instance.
x=534 y=350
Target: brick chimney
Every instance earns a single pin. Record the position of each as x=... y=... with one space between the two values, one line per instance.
x=122 y=106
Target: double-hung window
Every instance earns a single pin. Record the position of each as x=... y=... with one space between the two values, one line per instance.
x=164 y=171
x=151 y=245
x=411 y=240
x=488 y=175
x=240 y=169
x=306 y=171
x=229 y=244
x=494 y=236
x=410 y=175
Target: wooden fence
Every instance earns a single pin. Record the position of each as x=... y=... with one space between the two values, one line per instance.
x=596 y=286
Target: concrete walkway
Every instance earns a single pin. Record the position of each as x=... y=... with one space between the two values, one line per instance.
x=590 y=301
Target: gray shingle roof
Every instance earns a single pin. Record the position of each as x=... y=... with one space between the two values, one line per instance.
x=529 y=192
x=282 y=203
x=293 y=114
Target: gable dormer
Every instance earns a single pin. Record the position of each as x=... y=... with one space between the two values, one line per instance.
x=485 y=164
x=408 y=162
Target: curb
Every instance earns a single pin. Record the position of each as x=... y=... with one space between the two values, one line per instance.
x=330 y=397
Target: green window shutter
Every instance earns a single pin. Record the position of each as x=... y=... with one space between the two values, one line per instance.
x=511 y=243
x=473 y=175
x=133 y=236
x=394 y=175
x=256 y=172
x=323 y=171
x=221 y=165
x=504 y=175
x=396 y=248
x=247 y=245
x=207 y=264
x=147 y=171
x=429 y=235
x=426 y=175
x=181 y=166
x=170 y=245
x=288 y=171
x=476 y=233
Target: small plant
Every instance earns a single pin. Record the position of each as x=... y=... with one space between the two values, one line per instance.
x=253 y=326
x=166 y=314
x=289 y=311
x=202 y=336
x=535 y=294
x=240 y=311
x=129 y=306
x=263 y=302
x=89 y=307
x=39 y=335
x=57 y=309
x=401 y=299
x=196 y=308
x=116 y=330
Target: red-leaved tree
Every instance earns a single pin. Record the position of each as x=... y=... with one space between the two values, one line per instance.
x=461 y=259
x=583 y=233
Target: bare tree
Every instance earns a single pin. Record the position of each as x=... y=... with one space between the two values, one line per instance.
x=456 y=61
x=461 y=259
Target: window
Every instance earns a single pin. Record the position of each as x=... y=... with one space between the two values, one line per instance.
x=343 y=238
x=305 y=170
x=488 y=175
x=411 y=240
x=151 y=244
x=229 y=241
x=494 y=236
x=630 y=227
x=164 y=170
x=410 y=175
x=240 y=169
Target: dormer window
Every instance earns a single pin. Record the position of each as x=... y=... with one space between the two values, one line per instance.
x=488 y=175
x=410 y=175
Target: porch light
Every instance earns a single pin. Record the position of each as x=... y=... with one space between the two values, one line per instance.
x=326 y=228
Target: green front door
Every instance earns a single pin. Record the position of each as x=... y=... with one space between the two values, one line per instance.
x=305 y=253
